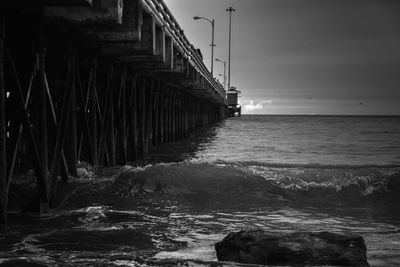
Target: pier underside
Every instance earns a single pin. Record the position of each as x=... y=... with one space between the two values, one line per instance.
x=100 y=81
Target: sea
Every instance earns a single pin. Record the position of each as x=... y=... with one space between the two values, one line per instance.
x=278 y=173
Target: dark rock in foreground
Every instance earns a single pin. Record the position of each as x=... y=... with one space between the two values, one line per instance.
x=323 y=248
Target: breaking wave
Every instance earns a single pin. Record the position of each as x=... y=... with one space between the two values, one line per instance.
x=248 y=182
x=370 y=179
x=176 y=211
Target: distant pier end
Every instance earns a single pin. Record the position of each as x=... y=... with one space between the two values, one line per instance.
x=233 y=103
x=100 y=81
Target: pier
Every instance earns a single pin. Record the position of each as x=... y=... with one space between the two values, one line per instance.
x=99 y=81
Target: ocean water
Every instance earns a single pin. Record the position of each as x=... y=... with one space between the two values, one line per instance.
x=324 y=140
x=278 y=173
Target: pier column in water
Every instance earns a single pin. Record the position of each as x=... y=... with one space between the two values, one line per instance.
x=156 y=121
x=161 y=113
x=149 y=117
x=111 y=127
x=93 y=111
x=221 y=113
x=70 y=148
x=174 y=104
x=142 y=116
x=122 y=118
x=204 y=115
x=166 y=115
x=169 y=115
x=3 y=135
x=134 y=119
x=41 y=111
x=186 y=103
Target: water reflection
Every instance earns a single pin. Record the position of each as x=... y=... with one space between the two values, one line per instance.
x=182 y=150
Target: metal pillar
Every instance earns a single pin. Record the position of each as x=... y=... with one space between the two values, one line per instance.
x=41 y=95
x=3 y=136
x=93 y=112
x=111 y=127
x=156 y=118
x=149 y=118
x=173 y=120
x=70 y=148
x=168 y=116
x=134 y=119
x=161 y=113
x=230 y=10
x=142 y=116
x=123 y=117
x=212 y=47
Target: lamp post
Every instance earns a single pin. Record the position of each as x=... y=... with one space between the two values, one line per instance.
x=224 y=71
x=230 y=10
x=212 y=40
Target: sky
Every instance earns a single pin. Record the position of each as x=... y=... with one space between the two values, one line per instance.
x=326 y=57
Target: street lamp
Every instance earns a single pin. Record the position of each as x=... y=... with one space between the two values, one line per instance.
x=212 y=41
x=230 y=10
x=224 y=71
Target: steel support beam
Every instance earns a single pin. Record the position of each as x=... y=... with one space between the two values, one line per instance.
x=3 y=137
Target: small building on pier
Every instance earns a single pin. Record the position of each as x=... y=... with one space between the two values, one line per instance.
x=233 y=102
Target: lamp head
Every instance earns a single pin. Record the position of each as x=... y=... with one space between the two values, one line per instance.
x=196 y=17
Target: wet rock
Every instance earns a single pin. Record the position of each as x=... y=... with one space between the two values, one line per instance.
x=323 y=248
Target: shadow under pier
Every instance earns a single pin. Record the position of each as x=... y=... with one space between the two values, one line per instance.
x=99 y=81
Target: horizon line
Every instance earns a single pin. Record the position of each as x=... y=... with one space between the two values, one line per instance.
x=354 y=115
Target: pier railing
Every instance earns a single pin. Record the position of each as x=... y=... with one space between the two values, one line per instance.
x=164 y=15
x=135 y=32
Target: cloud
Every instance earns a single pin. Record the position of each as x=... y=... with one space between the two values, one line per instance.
x=253 y=106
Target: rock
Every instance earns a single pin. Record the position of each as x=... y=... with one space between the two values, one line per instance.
x=323 y=248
